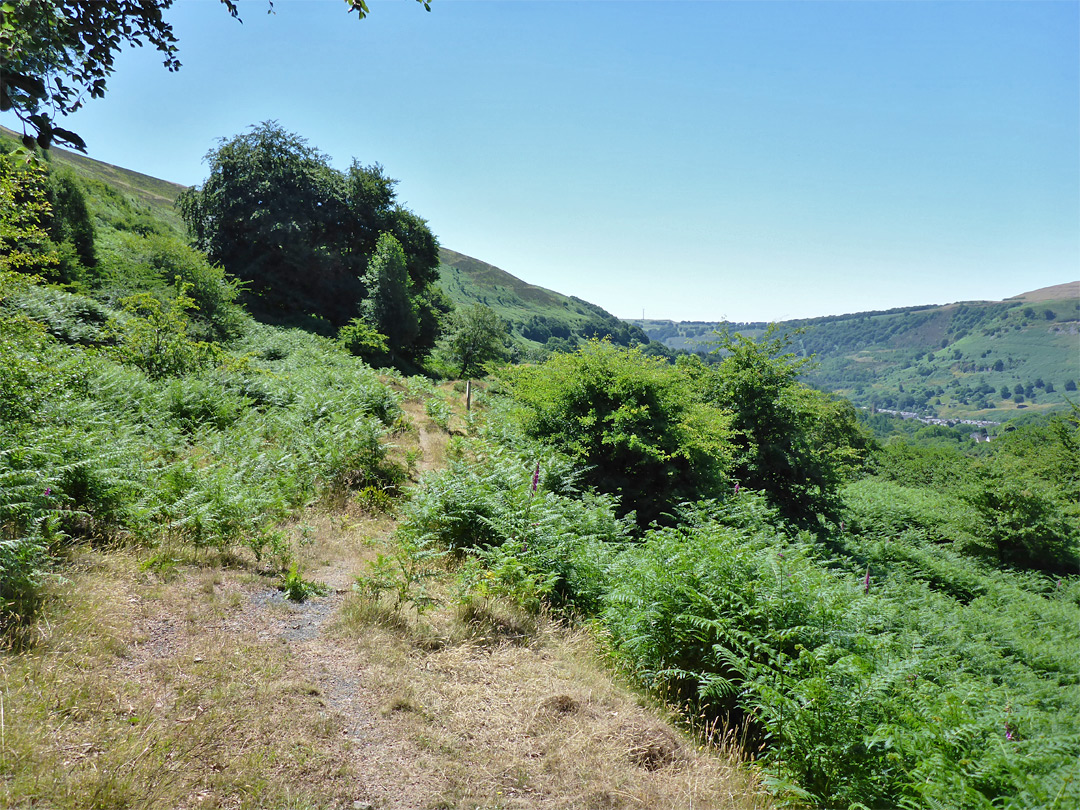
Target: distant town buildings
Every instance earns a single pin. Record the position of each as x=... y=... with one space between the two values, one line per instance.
x=933 y=420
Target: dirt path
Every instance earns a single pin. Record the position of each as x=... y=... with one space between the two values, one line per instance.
x=164 y=685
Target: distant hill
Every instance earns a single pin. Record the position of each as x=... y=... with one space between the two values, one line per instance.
x=953 y=361
x=1057 y=292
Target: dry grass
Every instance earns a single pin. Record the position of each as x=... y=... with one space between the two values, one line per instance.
x=146 y=694
x=172 y=681
x=510 y=711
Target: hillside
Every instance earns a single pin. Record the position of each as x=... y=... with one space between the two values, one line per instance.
x=537 y=316
x=203 y=598
x=977 y=359
x=153 y=195
x=240 y=567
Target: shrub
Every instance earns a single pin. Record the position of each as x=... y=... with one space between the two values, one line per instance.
x=637 y=425
x=364 y=340
x=556 y=536
x=154 y=336
x=166 y=266
x=797 y=444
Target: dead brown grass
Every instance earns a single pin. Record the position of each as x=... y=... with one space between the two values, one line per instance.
x=145 y=694
x=175 y=681
x=496 y=722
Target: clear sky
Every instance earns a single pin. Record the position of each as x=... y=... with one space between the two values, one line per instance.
x=689 y=160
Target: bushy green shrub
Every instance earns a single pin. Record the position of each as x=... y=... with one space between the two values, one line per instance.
x=364 y=340
x=25 y=246
x=154 y=336
x=165 y=266
x=639 y=426
x=797 y=444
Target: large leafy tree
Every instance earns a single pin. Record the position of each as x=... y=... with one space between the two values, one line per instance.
x=266 y=213
x=304 y=235
x=793 y=442
x=55 y=53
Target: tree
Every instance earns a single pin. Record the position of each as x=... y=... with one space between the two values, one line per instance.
x=57 y=52
x=25 y=246
x=640 y=426
x=268 y=212
x=275 y=213
x=475 y=336
x=388 y=307
x=793 y=442
x=364 y=340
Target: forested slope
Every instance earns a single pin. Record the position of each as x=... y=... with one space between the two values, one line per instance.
x=980 y=359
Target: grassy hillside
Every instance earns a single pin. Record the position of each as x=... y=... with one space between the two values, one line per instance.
x=948 y=361
x=154 y=196
x=168 y=492
x=208 y=524
x=537 y=316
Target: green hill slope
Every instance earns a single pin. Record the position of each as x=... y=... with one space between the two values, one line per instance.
x=536 y=315
x=952 y=361
x=155 y=196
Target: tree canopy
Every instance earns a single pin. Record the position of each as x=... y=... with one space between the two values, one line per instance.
x=794 y=442
x=475 y=336
x=388 y=307
x=641 y=427
x=304 y=235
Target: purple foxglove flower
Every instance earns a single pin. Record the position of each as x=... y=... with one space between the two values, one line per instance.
x=866 y=582
x=736 y=487
x=536 y=478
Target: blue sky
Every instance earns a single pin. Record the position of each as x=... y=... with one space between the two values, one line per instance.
x=692 y=160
